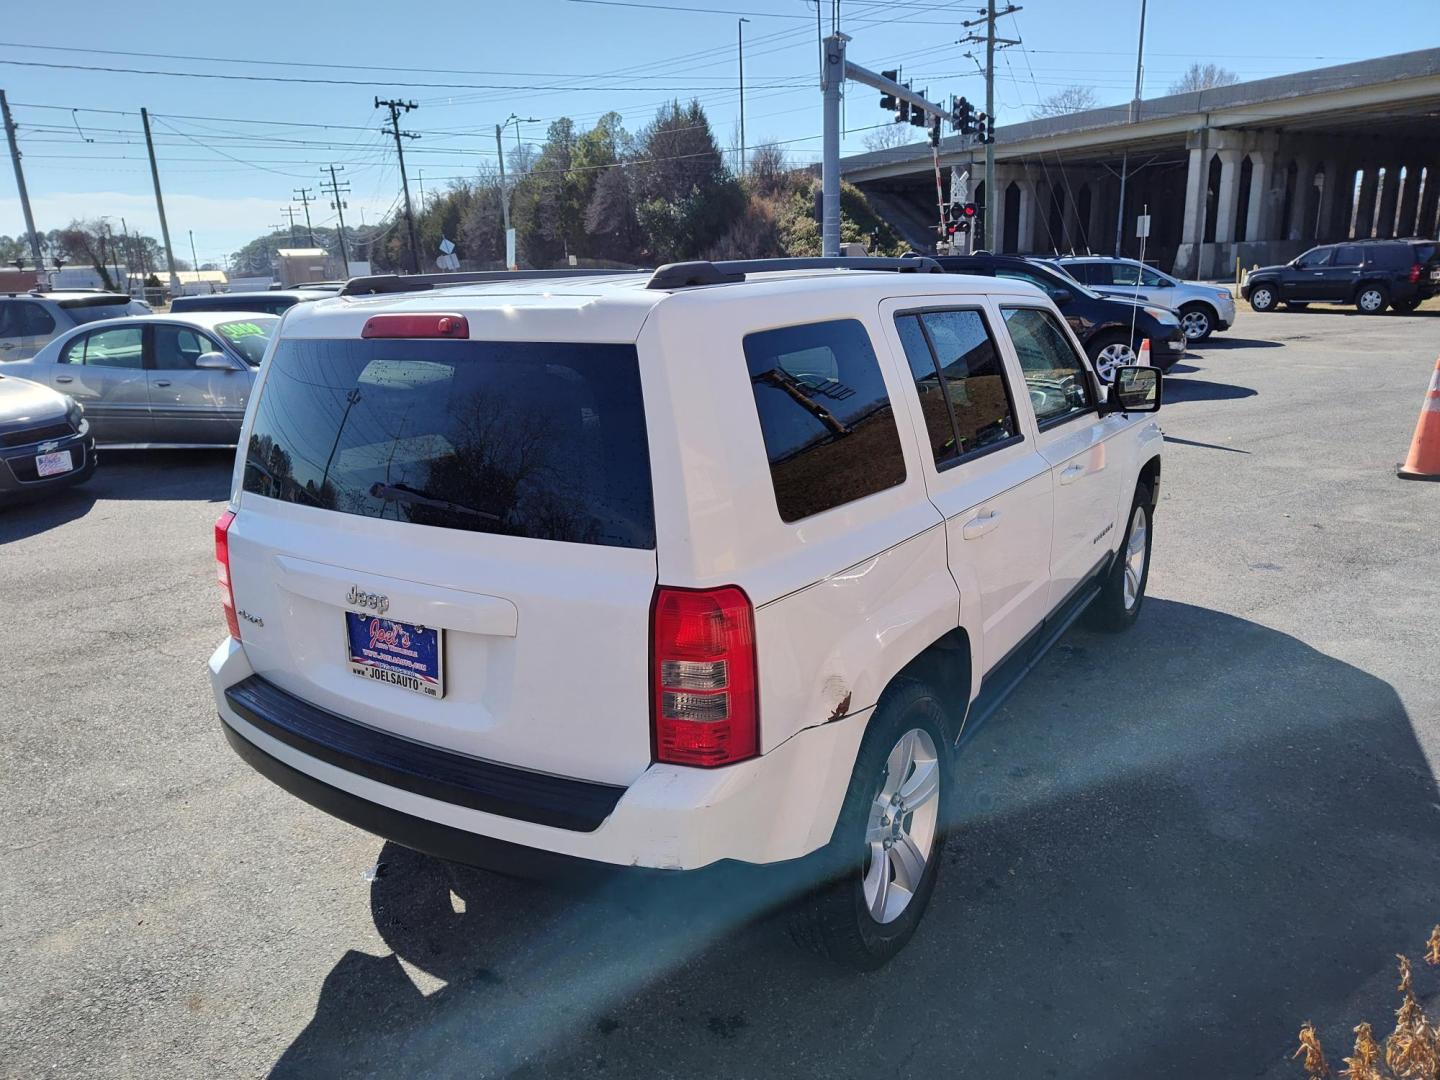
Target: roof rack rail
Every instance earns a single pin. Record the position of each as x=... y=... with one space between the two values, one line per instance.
x=685 y=275
x=376 y=284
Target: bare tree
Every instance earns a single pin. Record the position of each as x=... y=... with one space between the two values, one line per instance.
x=767 y=168
x=1069 y=100
x=891 y=135
x=1203 y=77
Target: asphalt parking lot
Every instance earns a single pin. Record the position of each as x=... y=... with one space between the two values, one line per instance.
x=1178 y=845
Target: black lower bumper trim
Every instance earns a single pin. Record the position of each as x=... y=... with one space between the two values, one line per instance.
x=420 y=834
x=557 y=801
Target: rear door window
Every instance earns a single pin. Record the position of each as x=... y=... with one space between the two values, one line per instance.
x=1349 y=255
x=532 y=439
x=35 y=321
x=963 y=392
x=825 y=416
x=117 y=347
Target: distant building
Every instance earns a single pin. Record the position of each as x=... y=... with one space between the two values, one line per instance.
x=299 y=265
x=201 y=282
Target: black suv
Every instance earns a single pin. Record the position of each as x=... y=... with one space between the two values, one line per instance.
x=1109 y=327
x=1371 y=274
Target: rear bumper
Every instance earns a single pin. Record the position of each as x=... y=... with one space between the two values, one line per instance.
x=770 y=809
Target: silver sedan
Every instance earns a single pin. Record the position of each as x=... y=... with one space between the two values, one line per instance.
x=157 y=380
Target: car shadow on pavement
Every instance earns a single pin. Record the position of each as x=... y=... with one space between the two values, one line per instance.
x=1173 y=847
x=123 y=474
x=1226 y=342
x=1201 y=390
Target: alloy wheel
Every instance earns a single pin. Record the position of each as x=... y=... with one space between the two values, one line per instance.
x=1196 y=324
x=1371 y=300
x=903 y=823
x=1135 y=554
x=1112 y=357
x=1261 y=299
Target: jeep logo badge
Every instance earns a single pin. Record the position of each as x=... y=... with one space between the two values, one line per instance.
x=374 y=601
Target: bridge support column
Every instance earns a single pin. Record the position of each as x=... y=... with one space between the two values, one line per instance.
x=1409 y=200
x=1192 y=231
x=1330 y=181
x=1025 y=238
x=1425 y=224
x=1389 y=193
x=1302 y=202
x=1261 y=211
x=1365 y=205
x=1227 y=201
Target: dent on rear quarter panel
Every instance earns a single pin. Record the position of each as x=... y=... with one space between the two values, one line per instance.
x=829 y=650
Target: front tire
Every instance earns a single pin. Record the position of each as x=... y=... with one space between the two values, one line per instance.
x=1371 y=299
x=1123 y=593
x=1108 y=352
x=1197 y=322
x=889 y=840
x=1264 y=298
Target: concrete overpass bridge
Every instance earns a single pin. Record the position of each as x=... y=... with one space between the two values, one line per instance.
x=1257 y=171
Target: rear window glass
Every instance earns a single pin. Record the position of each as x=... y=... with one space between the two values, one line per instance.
x=532 y=439
x=83 y=311
x=825 y=417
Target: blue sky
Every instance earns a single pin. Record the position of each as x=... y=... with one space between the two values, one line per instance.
x=228 y=181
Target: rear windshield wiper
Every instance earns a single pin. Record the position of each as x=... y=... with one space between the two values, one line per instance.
x=406 y=494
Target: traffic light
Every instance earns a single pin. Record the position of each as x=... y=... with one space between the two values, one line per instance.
x=935 y=131
x=917 y=116
x=903 y=116
x=888 y=101
x=962 y=115
x=984 y=129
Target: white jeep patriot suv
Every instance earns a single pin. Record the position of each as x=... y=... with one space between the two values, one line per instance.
x=714 y=564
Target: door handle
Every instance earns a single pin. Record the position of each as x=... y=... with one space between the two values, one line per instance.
x=64 y=378
x=1071 y=473
x=162 y=382
x=978 y=526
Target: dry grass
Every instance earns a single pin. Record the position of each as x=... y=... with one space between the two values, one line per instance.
x=1412 y=1050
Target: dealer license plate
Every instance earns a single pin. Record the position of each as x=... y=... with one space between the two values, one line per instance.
x=399 y=654
x=54 y=464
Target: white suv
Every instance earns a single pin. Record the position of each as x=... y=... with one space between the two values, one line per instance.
x=666 y=571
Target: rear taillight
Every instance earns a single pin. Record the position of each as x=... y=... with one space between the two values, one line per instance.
x=1415 y=273
x=705 y=707
x=222 y=571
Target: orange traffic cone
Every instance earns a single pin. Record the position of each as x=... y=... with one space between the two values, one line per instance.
x=1424 y=460
x=1143 y=359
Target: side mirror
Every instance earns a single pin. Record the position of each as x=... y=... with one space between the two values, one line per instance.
x=1061 y=296
x=216 y=361
x=1135 y=389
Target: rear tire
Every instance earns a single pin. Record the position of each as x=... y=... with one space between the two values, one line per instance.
x=889 y=841
x=1371 y=299
x=1123 y=593
x=1263 y=298
x=1405 y=307
x=1197 y=322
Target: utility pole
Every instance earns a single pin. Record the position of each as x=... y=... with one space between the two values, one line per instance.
x=294 y=240
x=511 y=262
x=304 y=195
x=159 y=201
x=336 y=190
x=740 y=30
x=194 y=259
x=20 y=185
x=130 y=259
x=396 y=107
x=991 y=44
x=1134 y=115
